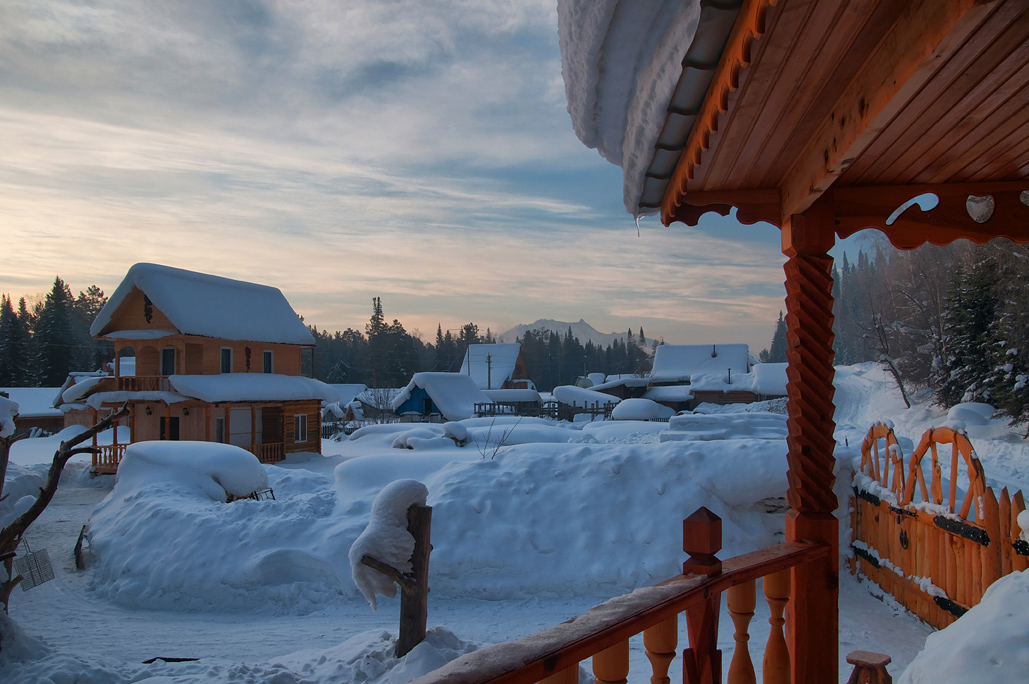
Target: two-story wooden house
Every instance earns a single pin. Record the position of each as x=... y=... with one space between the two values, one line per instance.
x=215 y=360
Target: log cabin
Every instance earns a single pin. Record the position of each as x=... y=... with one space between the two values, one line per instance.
x=214 y=360
x=816 y=119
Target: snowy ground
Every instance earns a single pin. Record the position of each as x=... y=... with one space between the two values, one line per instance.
x=526 y=535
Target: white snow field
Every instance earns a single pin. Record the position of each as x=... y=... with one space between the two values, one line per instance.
x=533 y=523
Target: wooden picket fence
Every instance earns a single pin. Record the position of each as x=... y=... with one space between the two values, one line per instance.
x=934 y=550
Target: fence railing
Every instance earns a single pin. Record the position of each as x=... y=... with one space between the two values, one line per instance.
x=271 y=452
x=553 y=655
x=142 y=383
x=934 y=548
x=107 y=458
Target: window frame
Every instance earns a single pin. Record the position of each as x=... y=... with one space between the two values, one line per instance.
x=268 y=361
x=222 y=358
x=174 y=360
x=299 y=428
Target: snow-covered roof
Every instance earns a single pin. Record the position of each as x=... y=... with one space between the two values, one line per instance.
x=208 y=305
x=454 y=394
x=770 y=379
x=680 y=362
x=512 y=395
x=491 y=364
x=621 y=63
x=677 y=393
x=348 y=392
x=621 y=381
x=252 y=387
x=35 y=402
x=578 y=396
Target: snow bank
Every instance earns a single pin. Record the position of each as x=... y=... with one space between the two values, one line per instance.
x=21 y=487
x=703 y=427
x=386 y=538
x=970 y=413
x=641 y=409
x=578 y=396
x=990 y=643
x=8 y=410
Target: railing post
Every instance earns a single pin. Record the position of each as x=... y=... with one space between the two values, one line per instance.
x=741 y=600
x=569 y=675
x=702 y=539
x=611 y=666
x=414 y=599
x=813 y=628
x=659 y=642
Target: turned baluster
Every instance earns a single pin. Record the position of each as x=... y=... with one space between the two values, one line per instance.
x=776 y=668
x=611 y=666
x=741 y=600
x=569 y=675
x=660 y=642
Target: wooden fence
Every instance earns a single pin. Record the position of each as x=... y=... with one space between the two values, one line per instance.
x=106 y=458
x=933 y=548
x=552 y=656
x=270 y=452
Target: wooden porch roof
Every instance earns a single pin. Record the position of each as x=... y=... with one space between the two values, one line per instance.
x=877 y=101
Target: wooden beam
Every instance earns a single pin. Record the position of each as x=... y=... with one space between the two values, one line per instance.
x=858 y=208
x=752 y=205
x=917 y=45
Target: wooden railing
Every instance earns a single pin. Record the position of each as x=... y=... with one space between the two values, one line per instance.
x=107 y=458
x=272 y=452
x=553 y=655
x=142 y=383
x=936 y=552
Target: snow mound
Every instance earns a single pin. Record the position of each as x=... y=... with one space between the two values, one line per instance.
x=386 y=538
x=990 y=643
x=456 y=431
x=971 y=413
x=212 y=468
x=703 y=427
x=641 y=409
x=8 y=410
x=20 y=484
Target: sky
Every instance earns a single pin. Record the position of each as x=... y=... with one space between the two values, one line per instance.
x=416 y=151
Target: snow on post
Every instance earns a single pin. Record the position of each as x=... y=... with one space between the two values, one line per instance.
x=8 y=410
x=386 y=539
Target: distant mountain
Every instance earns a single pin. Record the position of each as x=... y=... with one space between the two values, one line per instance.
x=582 y=330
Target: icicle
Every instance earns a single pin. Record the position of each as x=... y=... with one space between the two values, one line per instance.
x=637 y=225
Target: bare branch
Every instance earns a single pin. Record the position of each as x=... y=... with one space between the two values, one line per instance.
x=406 y=583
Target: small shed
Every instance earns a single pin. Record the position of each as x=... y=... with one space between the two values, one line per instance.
x=438 y=397
x=36 y=408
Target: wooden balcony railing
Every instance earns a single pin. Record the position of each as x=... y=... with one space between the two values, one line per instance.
x=142 y=383
x=107 y=458
x=272 y=452
x=553 y=655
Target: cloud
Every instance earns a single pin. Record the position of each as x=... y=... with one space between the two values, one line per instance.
x=416 y=151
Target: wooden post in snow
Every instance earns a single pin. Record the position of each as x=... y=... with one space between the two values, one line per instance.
x=414 y=587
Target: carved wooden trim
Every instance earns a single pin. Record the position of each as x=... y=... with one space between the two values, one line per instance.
x=750 y=26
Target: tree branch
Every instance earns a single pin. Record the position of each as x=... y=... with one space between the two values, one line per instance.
x=10 y=536
x=406 y=583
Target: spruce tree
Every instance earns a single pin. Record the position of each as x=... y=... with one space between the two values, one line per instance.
x=14 y=347
x=55 y=336
x=969 y=341
x=777 y=350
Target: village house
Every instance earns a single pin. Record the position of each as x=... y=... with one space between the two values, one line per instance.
x=436 y=397
x=497 y=366
x=215 y=360
x=685 y=375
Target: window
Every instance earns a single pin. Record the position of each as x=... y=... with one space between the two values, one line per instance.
x=219 y=429
x=226 y=366
x=267 y=360
x=300 y=427
x=168 y=361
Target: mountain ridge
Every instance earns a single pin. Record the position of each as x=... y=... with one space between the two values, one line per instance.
x=581 y=330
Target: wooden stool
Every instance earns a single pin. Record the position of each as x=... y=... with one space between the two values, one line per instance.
x=869 y=668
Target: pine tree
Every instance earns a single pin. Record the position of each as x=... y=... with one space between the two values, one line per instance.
x=55 y=336
x=777 y=350
x=969 y=341
x=14 y=347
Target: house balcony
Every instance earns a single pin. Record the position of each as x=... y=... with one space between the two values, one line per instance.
x=272 y=452
x=133 y=383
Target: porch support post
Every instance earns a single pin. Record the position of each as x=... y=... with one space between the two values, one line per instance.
x=813 y=612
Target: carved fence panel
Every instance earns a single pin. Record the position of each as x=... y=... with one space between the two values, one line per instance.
x=934 y=547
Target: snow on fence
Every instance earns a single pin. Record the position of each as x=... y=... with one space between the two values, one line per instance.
x=934 y=547
x=552 y=656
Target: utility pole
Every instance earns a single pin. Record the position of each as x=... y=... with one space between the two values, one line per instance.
x=489 y=371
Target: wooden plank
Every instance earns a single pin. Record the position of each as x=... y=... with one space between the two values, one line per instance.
x=1004 y=161
x=958 y=88
x=908 y=55
x=991 y=557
